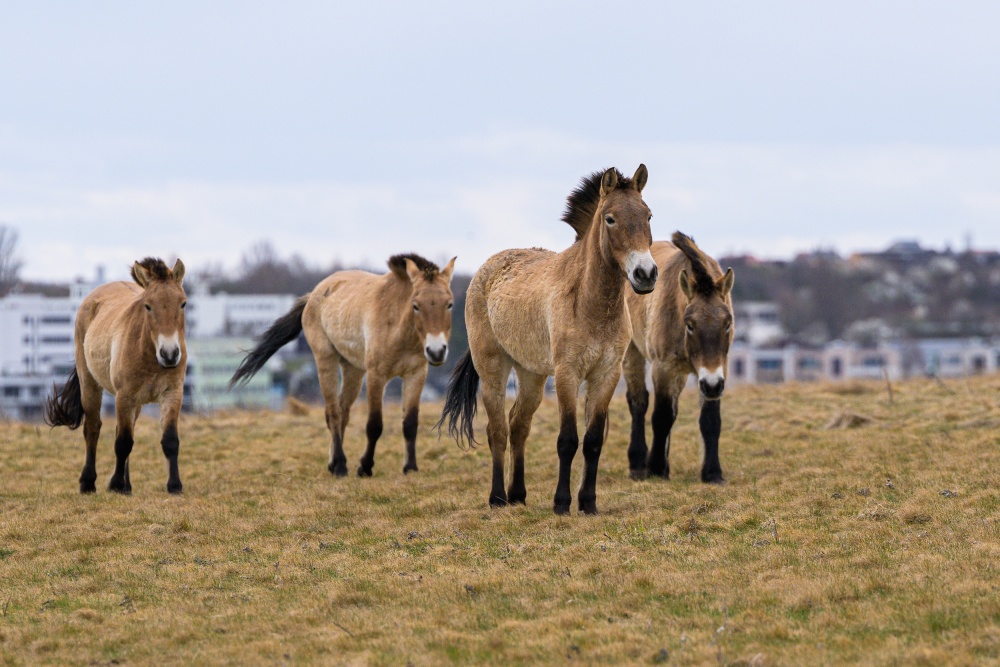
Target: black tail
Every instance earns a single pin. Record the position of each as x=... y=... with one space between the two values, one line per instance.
x=460 y=403
x=284 y=330
x=65 y=406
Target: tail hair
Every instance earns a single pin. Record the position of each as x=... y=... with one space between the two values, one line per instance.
x=65 y=406
x=284 y=330
x=460 y=402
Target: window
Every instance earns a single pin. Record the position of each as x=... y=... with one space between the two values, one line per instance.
x=56 y=319
x=57 y=340
x=738 y=367
x=836 y=367
x=769 y=364
x=11 y=392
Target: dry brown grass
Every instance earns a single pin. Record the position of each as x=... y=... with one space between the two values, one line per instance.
x=826 y=547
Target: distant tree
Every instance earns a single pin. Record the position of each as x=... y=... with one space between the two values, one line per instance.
x=10 y=262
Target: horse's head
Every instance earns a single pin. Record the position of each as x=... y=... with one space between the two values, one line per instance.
x=431 y=302
x=708 y=328
x=163 y=299
x=625 y=234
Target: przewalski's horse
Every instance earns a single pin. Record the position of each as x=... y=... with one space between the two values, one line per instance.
x=383 y=325
x=543 y=313
x=685 y=326
x=129 y=341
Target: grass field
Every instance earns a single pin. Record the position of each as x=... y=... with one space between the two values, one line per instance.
x=874 y=543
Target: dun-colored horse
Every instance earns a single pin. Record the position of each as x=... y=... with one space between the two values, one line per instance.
x=383 y=325
x=685 y=326
x=543 y=313
x=130 y=342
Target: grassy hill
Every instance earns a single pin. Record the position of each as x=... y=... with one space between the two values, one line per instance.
x=855 y=528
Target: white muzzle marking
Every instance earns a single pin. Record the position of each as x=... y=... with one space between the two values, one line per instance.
x=170 y=346
x=436 y=348
x=711 y=378
x=640 y=260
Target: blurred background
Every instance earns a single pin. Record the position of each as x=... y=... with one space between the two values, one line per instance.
x=843 y=157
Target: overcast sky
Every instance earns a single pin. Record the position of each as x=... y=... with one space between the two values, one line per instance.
x=352 y=131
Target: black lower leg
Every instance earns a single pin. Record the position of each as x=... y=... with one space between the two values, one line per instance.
x=338 y=462
x=517 y=494
x=374 y=430
x=171 y=447
x=567 y=444
x=123 y=447
x=593 y=442
x=663 y=421
x=410 y=422
x=638 y=403
x=711 y=426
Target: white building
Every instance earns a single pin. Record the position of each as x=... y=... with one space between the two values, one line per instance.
x=214 y=315
x=757 y=322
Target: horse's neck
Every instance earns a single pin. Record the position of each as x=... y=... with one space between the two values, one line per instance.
x=600 y=284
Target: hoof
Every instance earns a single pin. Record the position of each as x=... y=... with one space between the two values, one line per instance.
x=638 y=474
x=175 y=489
x=119 y=487
x=589 y=508
x=410 y=467
x=661 y=473
x=517 y=499
x=364 y=472
x=87 y=486
x=561 y=509
x=498 y=501
x=714 y=479
x=338 y=469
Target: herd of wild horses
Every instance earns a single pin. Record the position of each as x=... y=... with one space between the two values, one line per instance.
x=533 y=311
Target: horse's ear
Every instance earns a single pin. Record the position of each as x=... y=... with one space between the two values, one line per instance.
x=412 y=270
x=178 y=271
x=639 y=180
x=686 y=285
x=449 y=270
x=609 y=182
x=140 y=275
x=725 y=283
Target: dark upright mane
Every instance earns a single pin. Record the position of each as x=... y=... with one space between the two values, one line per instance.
x=702 y=280
x=156 y=268
x=397 y=264
x=582 y=202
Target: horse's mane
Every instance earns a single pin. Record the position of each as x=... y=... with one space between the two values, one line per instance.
x=582 y=202
x=702 y=280
x=397 y=264
x=156 y=268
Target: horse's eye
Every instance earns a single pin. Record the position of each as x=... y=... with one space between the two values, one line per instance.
x=184 y=305
x=650 y=218
x=416 y=308
x=610 y=219
x=149 y=308
x=450 y=306
x=689 y=327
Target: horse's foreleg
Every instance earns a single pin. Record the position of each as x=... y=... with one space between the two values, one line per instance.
x=711 y=426
x=170 y=410
x=634 y=368
x=412 y=386
x=599 y=393
x=530 y=390
x=567 y=387
x=664 y=414
x=126 y=414
x=373 y=429
x=90 y=397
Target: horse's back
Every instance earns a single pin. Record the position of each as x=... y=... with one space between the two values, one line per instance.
x=509 y=300
x=339 y=308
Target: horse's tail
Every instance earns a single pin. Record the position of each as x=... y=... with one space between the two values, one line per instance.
x=65 y=406
x=460 y=403
x=284 y=330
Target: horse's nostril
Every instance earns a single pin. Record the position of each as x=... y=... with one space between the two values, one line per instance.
x=654 y=273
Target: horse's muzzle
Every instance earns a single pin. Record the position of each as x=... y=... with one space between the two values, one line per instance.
x=169 y=358
x=712 y=391
x=436 y=357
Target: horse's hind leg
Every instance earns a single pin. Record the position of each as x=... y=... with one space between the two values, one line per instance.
x=170 y=410
x=350 y=387
x=373 y=429
x=634 y=368
x=412 y=386
x=90 y=396
x=327 y=363
x=494 y=367
x=530 y=390
x=126 y=414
